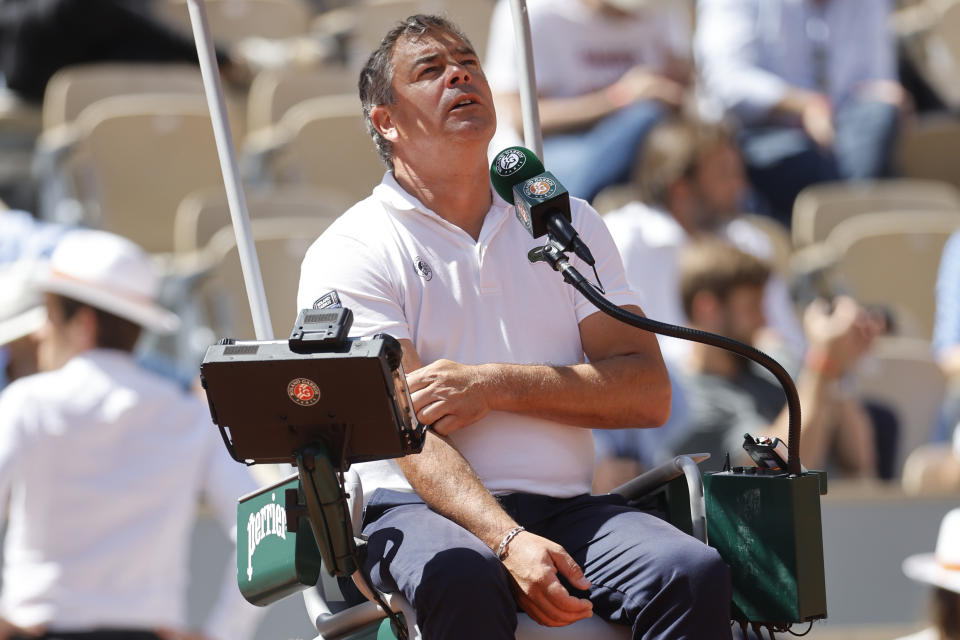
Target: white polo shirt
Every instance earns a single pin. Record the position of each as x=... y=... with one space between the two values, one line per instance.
x=405 y=271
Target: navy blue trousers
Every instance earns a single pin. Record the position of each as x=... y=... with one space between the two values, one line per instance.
x=643 y=572
x=781 y=161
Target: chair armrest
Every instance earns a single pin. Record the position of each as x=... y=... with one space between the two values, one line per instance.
x=662 y=474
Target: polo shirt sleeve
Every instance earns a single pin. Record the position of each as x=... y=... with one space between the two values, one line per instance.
x=360 y=277
x=597 y=237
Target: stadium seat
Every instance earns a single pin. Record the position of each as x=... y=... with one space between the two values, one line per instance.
x=281 y=244
x=273 y=93
x=819 y=208
x=320 y=142
x=73 y=89
x=892 y=259
x=131 y=167
x=203 y=213
x=900 y=373
x=927 y=149
x=235 y=20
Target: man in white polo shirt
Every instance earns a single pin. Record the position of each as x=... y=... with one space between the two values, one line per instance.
x=103 y=463
x=495 y=512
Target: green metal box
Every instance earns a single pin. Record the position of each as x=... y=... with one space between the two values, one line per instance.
x=272 y=560
x=767 y=528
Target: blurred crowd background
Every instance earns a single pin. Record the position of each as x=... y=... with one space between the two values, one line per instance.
x=783 y=172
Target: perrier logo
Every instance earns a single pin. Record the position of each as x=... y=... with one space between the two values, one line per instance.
x=271 y=519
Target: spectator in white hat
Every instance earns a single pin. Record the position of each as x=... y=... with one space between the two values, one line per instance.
x=103 y=462
x=941 y=570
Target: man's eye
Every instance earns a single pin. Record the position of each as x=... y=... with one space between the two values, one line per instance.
x=469 y=62
x=429 y=70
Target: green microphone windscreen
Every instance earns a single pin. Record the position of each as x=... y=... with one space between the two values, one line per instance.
x=512 y=166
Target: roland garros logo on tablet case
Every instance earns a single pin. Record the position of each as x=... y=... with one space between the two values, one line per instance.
x=304 y=392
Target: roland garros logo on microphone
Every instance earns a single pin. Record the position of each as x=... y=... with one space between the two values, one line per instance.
x=540 y=187
x=510 y=161
x=303 y=391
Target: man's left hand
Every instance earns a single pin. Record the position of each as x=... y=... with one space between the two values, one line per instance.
x=449 y=395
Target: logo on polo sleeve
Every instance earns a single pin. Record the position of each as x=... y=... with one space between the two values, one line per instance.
x=303 y=392
x=329 y=300
x=423 y=268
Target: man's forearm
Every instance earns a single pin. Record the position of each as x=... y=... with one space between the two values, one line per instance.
x=613 y=393
x=449 y=485
x=564 y=114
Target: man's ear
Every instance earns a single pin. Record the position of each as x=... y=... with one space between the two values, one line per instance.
x=383 y=122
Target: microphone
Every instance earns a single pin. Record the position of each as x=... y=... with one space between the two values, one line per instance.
x=540 y=201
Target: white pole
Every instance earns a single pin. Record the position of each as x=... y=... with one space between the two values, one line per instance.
x=236 y=201
x=532 y=137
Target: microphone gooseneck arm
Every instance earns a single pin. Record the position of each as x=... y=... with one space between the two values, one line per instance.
x=553 y=255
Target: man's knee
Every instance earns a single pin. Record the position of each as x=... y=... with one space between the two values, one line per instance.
x=699 y=572
x=466 y=588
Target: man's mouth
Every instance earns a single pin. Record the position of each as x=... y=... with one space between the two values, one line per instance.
x=463 y=102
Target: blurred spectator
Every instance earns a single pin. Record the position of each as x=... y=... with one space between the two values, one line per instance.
x=21 y=313
x=38 y=37
x=722 y=291
x=606 y=71
x=104 y=462
x=813 y=83
x=940 y=570
x=946 y=330
x=691 y=181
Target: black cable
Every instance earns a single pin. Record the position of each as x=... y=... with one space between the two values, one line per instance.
x=558 y=261
x=800 y=635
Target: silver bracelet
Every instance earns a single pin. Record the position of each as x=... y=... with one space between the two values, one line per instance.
x=506 y=540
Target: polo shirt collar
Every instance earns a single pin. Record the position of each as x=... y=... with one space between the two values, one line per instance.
x=391 y=194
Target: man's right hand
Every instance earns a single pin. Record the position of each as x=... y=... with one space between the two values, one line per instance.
x=844 y=333
x=533 y=563
x=639 y=83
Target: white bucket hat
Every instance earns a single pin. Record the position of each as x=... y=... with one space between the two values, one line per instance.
x=110 y=273
x=942 y=567
x=21 y=306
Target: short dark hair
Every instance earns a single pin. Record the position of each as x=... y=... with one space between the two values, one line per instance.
x=672 y=151
x=113 y=332
x=376 y=77
x=716 y=267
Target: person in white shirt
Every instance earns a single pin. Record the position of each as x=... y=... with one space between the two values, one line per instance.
x=606 y=71
x=941 y=571
x=813 y=84
x=510 y=367
x=691 y=184
x=103 y=463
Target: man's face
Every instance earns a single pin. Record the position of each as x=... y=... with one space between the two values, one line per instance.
x=742 y=313
x=441 y=95
x=720 y=183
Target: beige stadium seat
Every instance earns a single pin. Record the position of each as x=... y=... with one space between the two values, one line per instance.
x=235 y=20
x=73 y=89
x=205 y=212
x=928 y=149
x=892 y=259
x=320 y=142
x=819 y=208
x=137 y=157
x=281 y=244
x=901 y=374
x=273 y=93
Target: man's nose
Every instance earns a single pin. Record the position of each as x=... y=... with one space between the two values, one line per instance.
x=458 y=74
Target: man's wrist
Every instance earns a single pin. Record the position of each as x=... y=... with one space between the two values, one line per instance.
x=820 y=362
